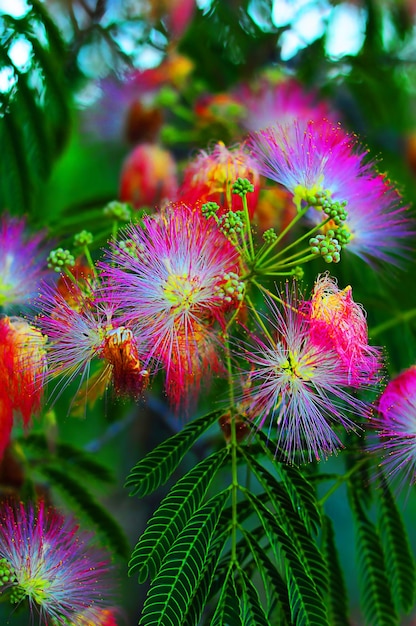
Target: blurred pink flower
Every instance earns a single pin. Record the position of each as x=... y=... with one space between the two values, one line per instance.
x=148 y=176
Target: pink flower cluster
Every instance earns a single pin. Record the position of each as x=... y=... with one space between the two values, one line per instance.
x=302 y=371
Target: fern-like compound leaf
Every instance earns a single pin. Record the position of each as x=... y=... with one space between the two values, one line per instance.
x=376 y=597
x=400 y=562
x=172 y=516
x=337 y=598
x=183 y=568
x=158 y=466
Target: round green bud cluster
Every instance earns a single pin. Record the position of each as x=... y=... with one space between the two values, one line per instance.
x=116 y=210
x=242 y=187
x=59 y=259
x=326 y=246
x=298 y=272
x=232 y=288
x=343 y=236
x=17 y=594
x=232 y=223
x=209 y=209
x=84 y=238
x=333 y=209
x=6 y=572
x=131 y=247
x=269 y=235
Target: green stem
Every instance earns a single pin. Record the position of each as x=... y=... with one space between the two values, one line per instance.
x=248 y=226
x=234 y=464
x=90 y=261
x=342 y=479
x=401 y=317
x=295 y=243
x=280 y=236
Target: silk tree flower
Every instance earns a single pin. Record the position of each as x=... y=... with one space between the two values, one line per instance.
x=50 y=564
x=270 y=100
x=211 y=175
x=178 y=279
x=326 y=168
x=336 y=317
x=297 y=386
x=395 y=423
x=22 y=262
x=22 y=373
x=148 y=176
x=82 y=327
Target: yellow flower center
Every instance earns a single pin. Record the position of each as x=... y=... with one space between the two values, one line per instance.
x=181 y=291
x=298 y=368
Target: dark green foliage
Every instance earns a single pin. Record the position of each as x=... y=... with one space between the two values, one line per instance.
x=253 y=614
x=172 y=515
x=274 y=586
x=82 y=500
x=376 y=598
x=158 y=466
x=182 y=570
x=306 y=603
x=228 y=606
x=76 y=461
x=337 y=598
x=35 y=112
x=289 y=520
x=400 y=563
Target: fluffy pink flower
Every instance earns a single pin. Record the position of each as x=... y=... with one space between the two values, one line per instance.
x=269 y=101
x=52 y=566
x=22 y=262
x=178 y=279
x=22 y=372
x=82 y=327
x=322 y=165
x=298 y=387
x=148 y=176
x=211 y=175
x=396 y=427
x=336 y=320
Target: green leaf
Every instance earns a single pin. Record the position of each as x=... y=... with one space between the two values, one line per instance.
x=182 y=571
x=376 y=598
x=400 y=562
x=75 y=459
x=158 y=466
x=306 y=603
x=292 y=524
x=198 y=601
x=34 y=113
x=337 y=593
x=228 y=605
x=77 y=495
x=253 y=613
x=172 y=516
x=273 y=583
x=300 y=491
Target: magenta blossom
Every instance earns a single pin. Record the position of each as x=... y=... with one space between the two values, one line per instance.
x=81 y=327
x=48 y=562
x=178 y=277
x=396 y=426
x=269 y=101
x=22 y=262
x=298 y=387
x=335 y=317
x=326 y=169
